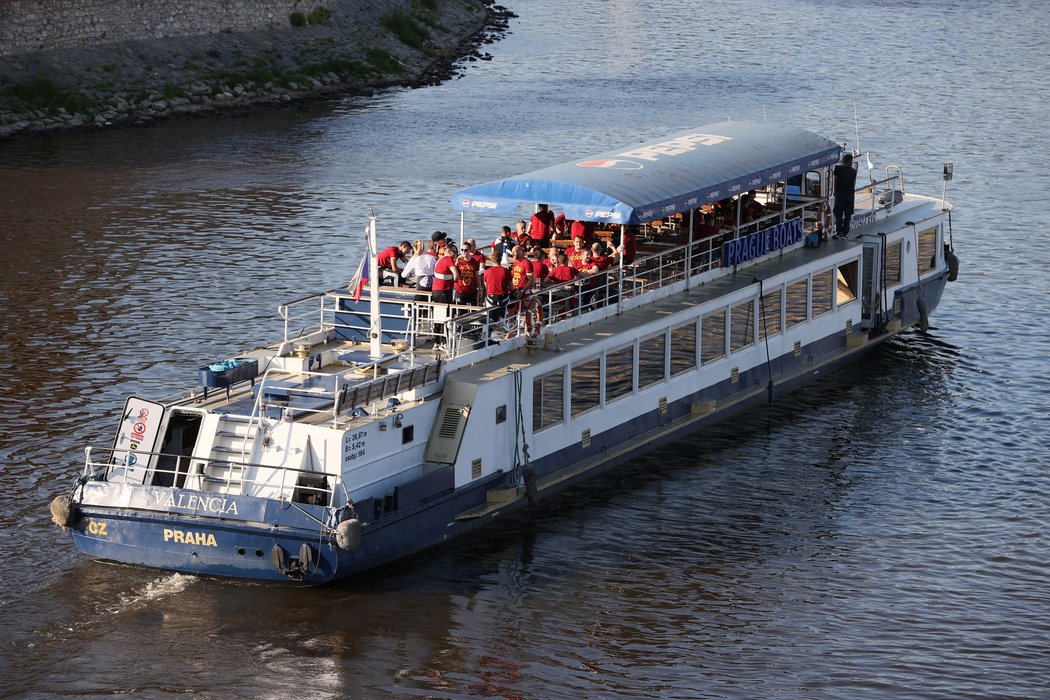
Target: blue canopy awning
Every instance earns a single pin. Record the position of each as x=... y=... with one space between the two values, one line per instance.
x=656 y=179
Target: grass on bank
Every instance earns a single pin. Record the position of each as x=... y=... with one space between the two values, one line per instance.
x=44 y=95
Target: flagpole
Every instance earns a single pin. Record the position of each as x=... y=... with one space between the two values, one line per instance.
x=375 y=330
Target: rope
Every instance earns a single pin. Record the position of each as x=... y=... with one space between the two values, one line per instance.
x=521 y=449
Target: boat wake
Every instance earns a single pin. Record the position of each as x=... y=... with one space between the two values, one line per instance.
x=154 y=590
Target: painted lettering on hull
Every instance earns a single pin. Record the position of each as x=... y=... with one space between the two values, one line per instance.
x=96 y=528
x=218 y=505
x=202 y=539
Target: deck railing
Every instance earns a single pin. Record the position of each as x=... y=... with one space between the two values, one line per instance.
x=318 y=487
x=457 y=330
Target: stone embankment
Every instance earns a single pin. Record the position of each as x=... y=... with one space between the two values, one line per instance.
x=342 y=47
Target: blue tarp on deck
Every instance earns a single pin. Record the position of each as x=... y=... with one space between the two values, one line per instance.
x=659 y=178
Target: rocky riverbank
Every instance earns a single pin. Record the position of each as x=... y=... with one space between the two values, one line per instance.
x=351 y=47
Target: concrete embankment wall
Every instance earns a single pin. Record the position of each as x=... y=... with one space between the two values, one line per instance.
x=102 y=64
x=37 y=25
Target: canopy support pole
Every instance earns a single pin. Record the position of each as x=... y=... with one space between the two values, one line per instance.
x=689 y=251
x=619 y=277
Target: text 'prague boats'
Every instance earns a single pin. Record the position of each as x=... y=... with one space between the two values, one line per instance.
x=392 y=423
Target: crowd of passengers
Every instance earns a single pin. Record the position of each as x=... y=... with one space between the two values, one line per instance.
x=546 y=250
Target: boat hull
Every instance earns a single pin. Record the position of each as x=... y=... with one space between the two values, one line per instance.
x=236 y=536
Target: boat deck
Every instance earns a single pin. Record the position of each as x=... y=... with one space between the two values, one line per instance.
x=618 y=324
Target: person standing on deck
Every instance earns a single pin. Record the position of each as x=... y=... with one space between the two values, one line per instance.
x=541 y=226
x=497 y=287
x=521 y=270
x=466 y=285
x=845 y=186
x=445 y=275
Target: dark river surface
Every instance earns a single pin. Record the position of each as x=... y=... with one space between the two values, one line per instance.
x=881 y=534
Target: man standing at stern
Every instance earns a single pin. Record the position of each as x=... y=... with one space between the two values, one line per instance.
x=845 y=185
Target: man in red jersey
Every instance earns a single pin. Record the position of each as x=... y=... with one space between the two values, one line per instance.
x=582 y=229
x=562 y=272
x=388 y=260
x=538 y=258
x=579 y=246
x=541 y=225
x=445 y=275
x=521 y=271
x=629 y=247
x=598 y=256
x=497 y=288
x=466 y=284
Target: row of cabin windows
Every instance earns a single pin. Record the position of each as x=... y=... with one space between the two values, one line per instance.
x=657 y=357
x=926 y=257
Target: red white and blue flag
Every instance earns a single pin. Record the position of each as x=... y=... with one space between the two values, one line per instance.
x=360 y=279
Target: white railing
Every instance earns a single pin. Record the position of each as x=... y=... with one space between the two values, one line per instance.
x=190 y=469
x=457 y=329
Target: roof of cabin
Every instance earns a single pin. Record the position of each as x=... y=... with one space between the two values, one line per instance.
x=659 y=178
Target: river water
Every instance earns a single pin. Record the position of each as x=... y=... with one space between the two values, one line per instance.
x=881 y=534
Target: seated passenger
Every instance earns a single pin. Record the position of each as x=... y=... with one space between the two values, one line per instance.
x=562 y=272
x=598 y=256
x=388 y=259
x=420 y=267
x=579 y=246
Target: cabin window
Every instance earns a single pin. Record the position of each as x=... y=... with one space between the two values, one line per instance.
x=713 y=336
x=797 y=302
x=812 y=183
x=619 y=373
x=846 y=286
x=548 y=400
x=586 y=386
x=742 y=320
x=651 y=361
x=769 y=314
x=823 y=288
x=927 y=256
x=893 y=264
x=683 y=348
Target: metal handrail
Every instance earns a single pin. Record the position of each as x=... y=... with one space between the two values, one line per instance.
x=96 y=468
x=604 y=293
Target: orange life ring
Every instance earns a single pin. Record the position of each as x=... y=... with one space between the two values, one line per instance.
x=824 y=218
x=533 y=313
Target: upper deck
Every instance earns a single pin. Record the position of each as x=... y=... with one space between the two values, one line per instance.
x=325 y=373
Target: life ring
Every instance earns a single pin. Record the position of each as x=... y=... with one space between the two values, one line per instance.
x=824 y=218
x=533 y=313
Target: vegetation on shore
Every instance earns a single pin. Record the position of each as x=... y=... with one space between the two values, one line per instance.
x=407 y=47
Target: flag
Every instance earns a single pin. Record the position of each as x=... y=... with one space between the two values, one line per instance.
x=359 y=280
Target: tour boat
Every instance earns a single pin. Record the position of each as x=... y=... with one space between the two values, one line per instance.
x=392 y=423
